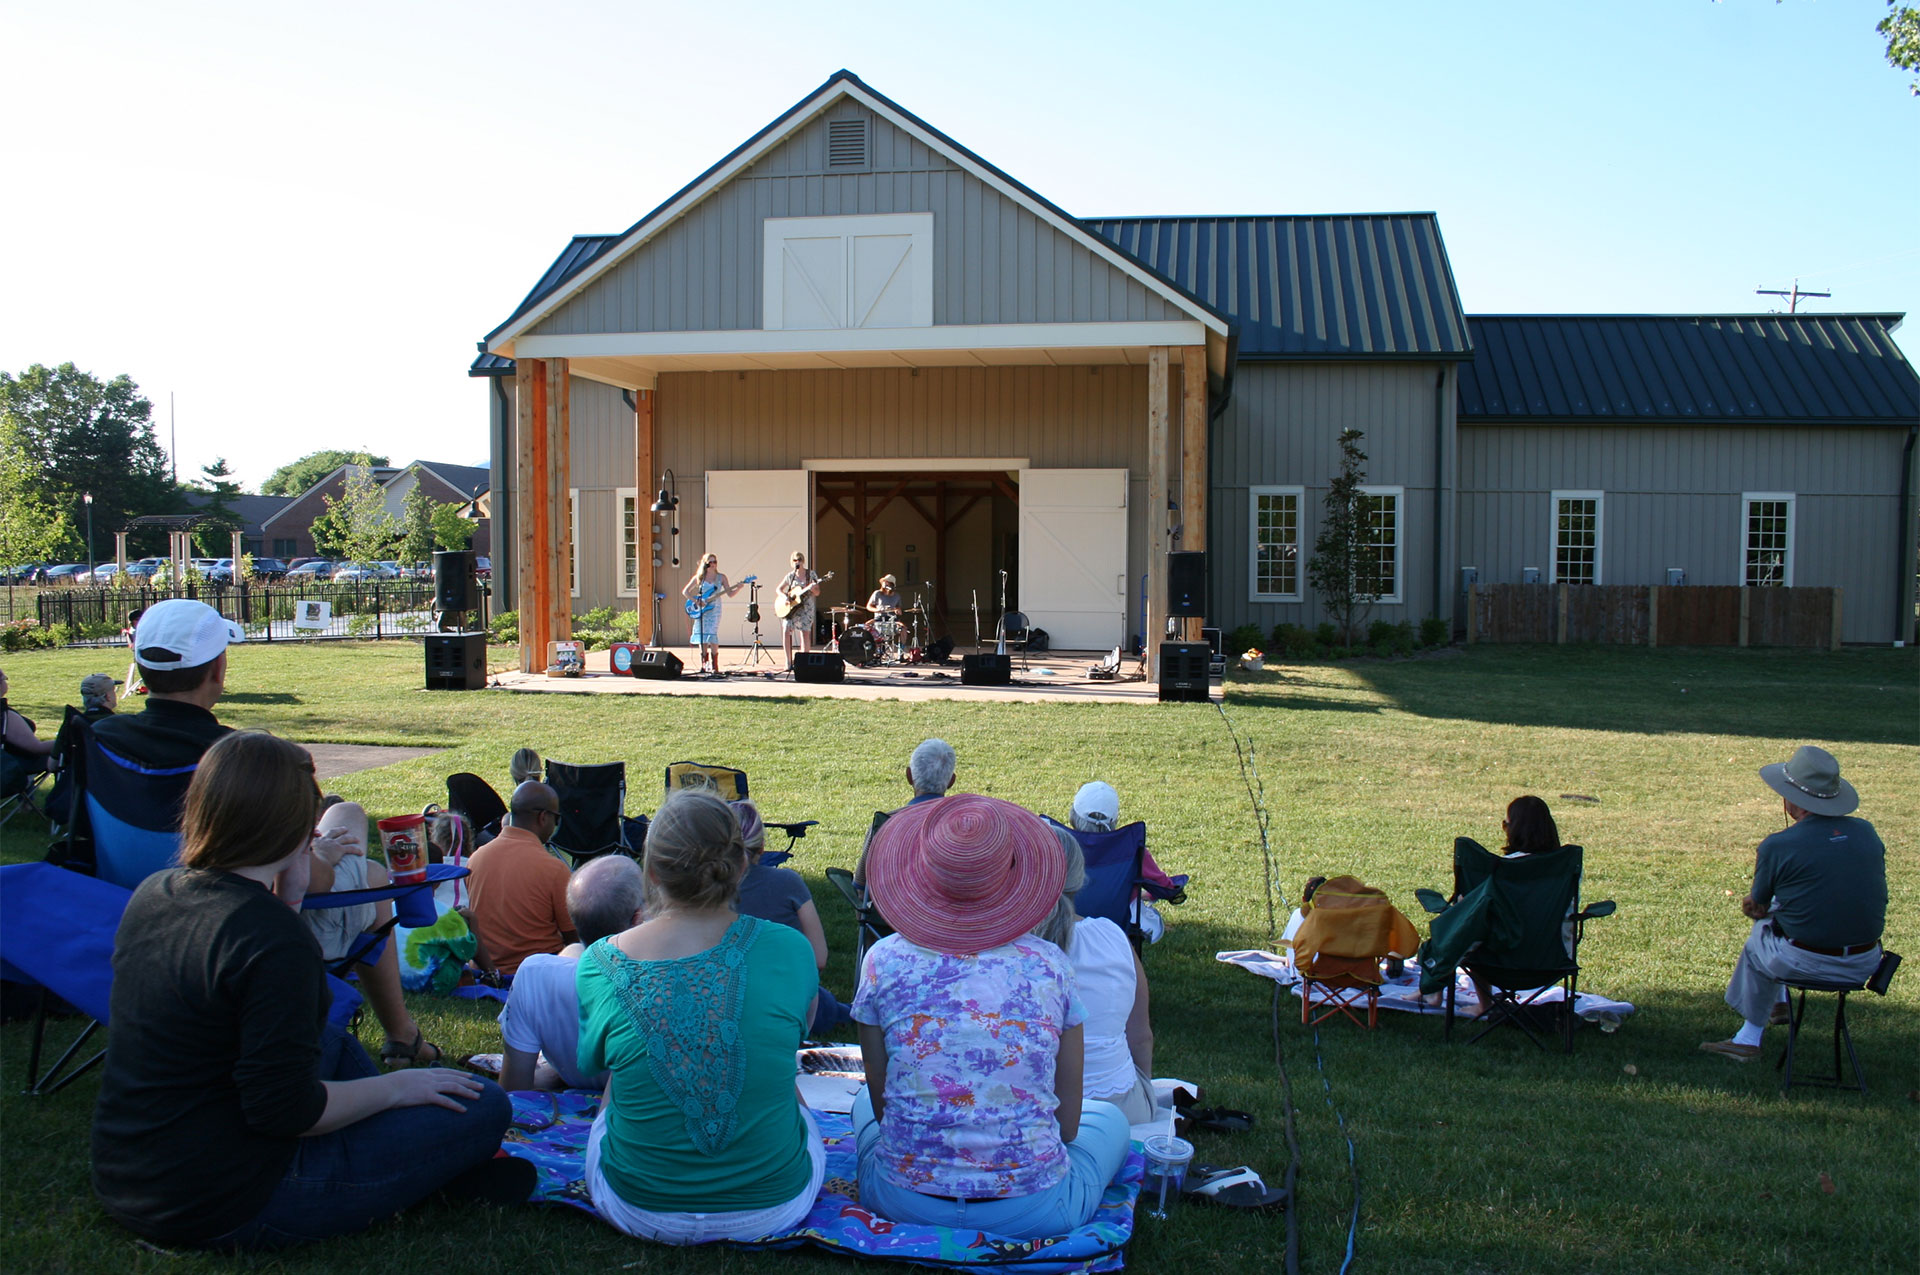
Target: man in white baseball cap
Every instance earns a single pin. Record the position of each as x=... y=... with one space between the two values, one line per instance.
x=181 y=649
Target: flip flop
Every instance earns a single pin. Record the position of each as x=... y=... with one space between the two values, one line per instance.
x=1213 y=1119
x=1240 y=1188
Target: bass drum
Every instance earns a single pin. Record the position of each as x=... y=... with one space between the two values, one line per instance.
x=856 y=647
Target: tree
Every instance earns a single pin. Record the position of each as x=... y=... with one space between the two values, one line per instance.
x=81 y=434
x=1346 y=567
x=296 y=476
x=31 y=529
x=451 y=530
x=1901 y=26
x=215 y=536
x=416 y=522
x=356 y=525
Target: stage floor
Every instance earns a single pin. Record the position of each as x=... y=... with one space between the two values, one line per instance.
x=1057 y=676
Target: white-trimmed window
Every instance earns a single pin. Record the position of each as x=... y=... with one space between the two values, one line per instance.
x=1766 y=539
x=1383 y=537
x=573 y=540
x=1576 y=537
x=627 y=525
x=872 y=270
x=1274 y=554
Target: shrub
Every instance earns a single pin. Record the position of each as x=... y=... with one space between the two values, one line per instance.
x=1294 y=642
x=1384 y=637
x=26 y=634
x=1435 y=631
x=504 y=628
x=1328 y=634
x=1243 y=639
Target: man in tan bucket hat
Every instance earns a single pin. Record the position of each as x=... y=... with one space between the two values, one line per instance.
x=1818 y=902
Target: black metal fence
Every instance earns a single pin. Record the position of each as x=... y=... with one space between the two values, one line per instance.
x=269 y=612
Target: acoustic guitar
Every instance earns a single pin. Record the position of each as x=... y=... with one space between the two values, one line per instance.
x=790 y=599
x=695 y=606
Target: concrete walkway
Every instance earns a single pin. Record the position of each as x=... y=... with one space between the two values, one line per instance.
x=1055 y=676
x=330 y=761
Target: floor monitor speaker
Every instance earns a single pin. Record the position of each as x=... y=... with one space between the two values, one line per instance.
x=622 y=656
x=1187 y=583
x=661 y=666
x=986 y=669
x=819 y=666
x=1183 y=672
x=456 y=661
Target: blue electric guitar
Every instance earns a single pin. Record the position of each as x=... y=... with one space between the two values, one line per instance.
x=695 y=606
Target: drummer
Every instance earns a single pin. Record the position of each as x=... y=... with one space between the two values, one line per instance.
x=884 y=601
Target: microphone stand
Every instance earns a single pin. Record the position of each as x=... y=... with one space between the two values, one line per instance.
x=1000 y=627
x=976 y=622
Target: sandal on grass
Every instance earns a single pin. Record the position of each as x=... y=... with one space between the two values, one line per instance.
x=1239 y=1188
x=395 y=1056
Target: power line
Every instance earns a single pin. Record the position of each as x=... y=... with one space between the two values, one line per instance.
x=1792 y=295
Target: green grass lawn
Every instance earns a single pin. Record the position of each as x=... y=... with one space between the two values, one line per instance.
x=1637 y=1153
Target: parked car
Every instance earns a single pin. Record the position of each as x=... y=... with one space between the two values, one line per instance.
x=204 y=565
x=25 y=573
x=144 y=569
x=359 y=573
x=483 y=567
x=220 y=571
x=105 y=572
x=65 y=573
x=311 y=569
x=269 y=569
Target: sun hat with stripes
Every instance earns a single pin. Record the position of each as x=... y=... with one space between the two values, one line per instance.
x=965 y=873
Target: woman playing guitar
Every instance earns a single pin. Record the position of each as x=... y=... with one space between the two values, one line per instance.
x=798 y=589
x=703 y=594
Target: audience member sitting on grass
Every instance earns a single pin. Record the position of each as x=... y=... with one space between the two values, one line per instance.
x=540 y=1026
x=1112 y=986
x=972 y=1035
x=931 y=772
x=780 y=895
x=339 y=862
x=180 y=648
x=519 y=891
x=697 y=1011
x=231 y=1114
x=23 y=754
x=524 y=766
x=1818 y=902
x=1096 y=808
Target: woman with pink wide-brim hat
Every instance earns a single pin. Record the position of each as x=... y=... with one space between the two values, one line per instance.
x=971 y=1032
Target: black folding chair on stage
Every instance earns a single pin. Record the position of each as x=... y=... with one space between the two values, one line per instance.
x=593 y=806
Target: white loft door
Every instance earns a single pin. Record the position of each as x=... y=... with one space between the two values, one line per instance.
x=1073 y=555
x=756 y=518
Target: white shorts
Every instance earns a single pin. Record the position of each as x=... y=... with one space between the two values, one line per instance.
x=703 y=1228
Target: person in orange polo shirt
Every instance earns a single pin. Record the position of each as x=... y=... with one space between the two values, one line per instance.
x=519 y=891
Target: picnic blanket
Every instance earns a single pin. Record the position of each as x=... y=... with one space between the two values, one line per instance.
x=550 y=1131
x=1403 y=993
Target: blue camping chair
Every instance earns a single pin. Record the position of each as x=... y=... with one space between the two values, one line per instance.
x=412 y=907
x=1114 y=877
x=130 y=812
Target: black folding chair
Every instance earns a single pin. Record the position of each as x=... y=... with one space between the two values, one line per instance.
x=593 y=804
x=474 y=799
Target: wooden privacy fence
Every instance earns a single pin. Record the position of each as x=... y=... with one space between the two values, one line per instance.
x=1654 y=615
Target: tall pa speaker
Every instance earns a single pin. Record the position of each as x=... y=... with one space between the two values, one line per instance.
x=456 y=661
x=819 y=666
x=453 y=580
x=1183 y=672
x=1187 y=583
x=657 y=665
x=986 y=669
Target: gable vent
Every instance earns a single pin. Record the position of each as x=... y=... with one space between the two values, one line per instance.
x=847 y=143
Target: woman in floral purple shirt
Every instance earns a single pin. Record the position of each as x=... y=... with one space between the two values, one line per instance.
x=970 y=1030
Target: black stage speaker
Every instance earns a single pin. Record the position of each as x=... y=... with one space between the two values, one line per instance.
x=986 y=669
x=623 y=656
x=660 y=666
x=1183 y=672
x=453 y=580
x=819 y=666
x=456 y=661
x=1187 y=583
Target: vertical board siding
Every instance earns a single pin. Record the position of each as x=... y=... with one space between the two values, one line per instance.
x=1282 y=428
x=600 y=457
x=994 y=261
x=1673 y=499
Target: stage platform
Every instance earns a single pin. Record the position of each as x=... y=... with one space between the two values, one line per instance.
x=1053 y=676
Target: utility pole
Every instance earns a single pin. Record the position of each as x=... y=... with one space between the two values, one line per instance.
x=173 y=439
x=1792 y=295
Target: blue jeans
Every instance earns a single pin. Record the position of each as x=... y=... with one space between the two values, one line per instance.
x=347 y=1180
x=1093 y=1157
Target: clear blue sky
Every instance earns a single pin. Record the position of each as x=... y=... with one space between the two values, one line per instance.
x=299 y=218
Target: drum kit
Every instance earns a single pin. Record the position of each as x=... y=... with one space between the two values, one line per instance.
x=889 y=638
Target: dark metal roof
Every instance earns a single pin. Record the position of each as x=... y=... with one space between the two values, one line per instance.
x=1375 y=284
x=470 y=480
x=580 y=252
x=1833 y=368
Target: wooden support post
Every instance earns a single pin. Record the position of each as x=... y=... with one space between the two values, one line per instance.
x=530 y=392
x=1836 y=619
x=643 y=518
x=559 y=483
x=1193 y=465
x=1746 y=598
x=1157 y=411
x=1653 y=615
x=939 y=600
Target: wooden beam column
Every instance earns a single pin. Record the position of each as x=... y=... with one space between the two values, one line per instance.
x=1193 y=466
x=560 y=508
x=644 y=539
x=1158 y=404
x=530 y=500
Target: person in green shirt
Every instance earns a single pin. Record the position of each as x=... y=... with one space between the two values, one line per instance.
x=697 y=1013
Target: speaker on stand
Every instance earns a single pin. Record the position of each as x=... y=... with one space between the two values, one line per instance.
x=455 y=591
x=1187 y=583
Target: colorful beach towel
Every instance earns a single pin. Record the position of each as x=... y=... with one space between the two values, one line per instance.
x=550 y=1130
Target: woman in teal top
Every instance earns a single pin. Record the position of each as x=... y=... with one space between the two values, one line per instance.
x=697 y=1012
